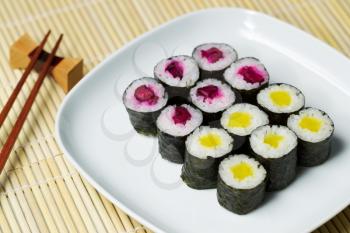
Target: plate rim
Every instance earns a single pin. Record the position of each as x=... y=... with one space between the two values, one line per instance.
x=96 y=185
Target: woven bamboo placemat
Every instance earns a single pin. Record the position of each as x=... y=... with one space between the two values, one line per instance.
x=39 y=190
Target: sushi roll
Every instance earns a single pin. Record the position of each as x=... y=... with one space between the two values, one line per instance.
x=205 y=148
x=213 y=59
x=275 y=147
x=314 y=129
x=143 y=99
x=279 y=101
x=240 y=120
x=178 y=74
x=248 y=76
x=174 y=123
x=212 y=97
x=241 y=184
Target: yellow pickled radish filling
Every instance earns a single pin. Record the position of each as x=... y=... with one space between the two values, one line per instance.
x=241 y=171
x=281 y=98
x=273 y=140
x=311 y=123
x=239 y=120
x=210 y=140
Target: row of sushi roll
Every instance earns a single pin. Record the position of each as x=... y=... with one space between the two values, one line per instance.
x=232 y=130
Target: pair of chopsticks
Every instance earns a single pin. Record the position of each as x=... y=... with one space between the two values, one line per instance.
x=7 y=147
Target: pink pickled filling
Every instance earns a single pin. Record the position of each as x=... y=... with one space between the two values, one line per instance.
x=212 y=55
x=181 y=115
x=145 y=94
x=251 y=74
x=175 y=69
x=208 y=92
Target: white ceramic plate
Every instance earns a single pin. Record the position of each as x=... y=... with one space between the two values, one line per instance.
x=94 y=131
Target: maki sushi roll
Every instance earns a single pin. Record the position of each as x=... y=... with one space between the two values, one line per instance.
x=248 y=76
x=143 y=99
x=275 y=147
x=314 y=129
x=240 y=120
x=212 y=97
x=213 y=59
x=178 y=74
x=241 y=184
x=174 y=123
x=279 y=101
x=205 y=148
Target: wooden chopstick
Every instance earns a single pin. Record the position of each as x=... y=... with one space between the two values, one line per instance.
x=6 y=149
x=15 y=92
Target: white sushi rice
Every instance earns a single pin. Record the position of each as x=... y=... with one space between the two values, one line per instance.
x=190 y=71
x=229 y=56
x=326 y=130
x=297 y=98
x=217 y=104
x=258 y=118
x=132 y=103
x=263 y=149
x=166 y=123
x=259 y=172
x=236 y=80
x=195 y=148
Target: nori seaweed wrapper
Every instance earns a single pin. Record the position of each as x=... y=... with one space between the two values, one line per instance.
x=144 y=122
x=249 y=96
x=212 y=119
x=314 y=153
x=239 y=141
x=195 y=181
x=171 y=148
x=239 y=98
x=214 y=123
x=245 y=147
x=178 y=100
x=216 y=74
x=280 y=171
x=277 y=118
x=177 y=92
x=200 y=173
x=240 y=201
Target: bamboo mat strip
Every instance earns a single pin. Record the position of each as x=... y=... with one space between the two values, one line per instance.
x=40 y=191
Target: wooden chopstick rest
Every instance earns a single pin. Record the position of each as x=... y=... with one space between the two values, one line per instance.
x=66 y=71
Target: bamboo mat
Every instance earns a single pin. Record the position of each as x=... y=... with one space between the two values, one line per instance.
x=39 y=190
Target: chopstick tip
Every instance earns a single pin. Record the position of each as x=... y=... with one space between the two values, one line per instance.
x=60 y=38
x=48 y=33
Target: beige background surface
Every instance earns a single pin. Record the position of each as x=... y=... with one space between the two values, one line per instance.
x=39 y=190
